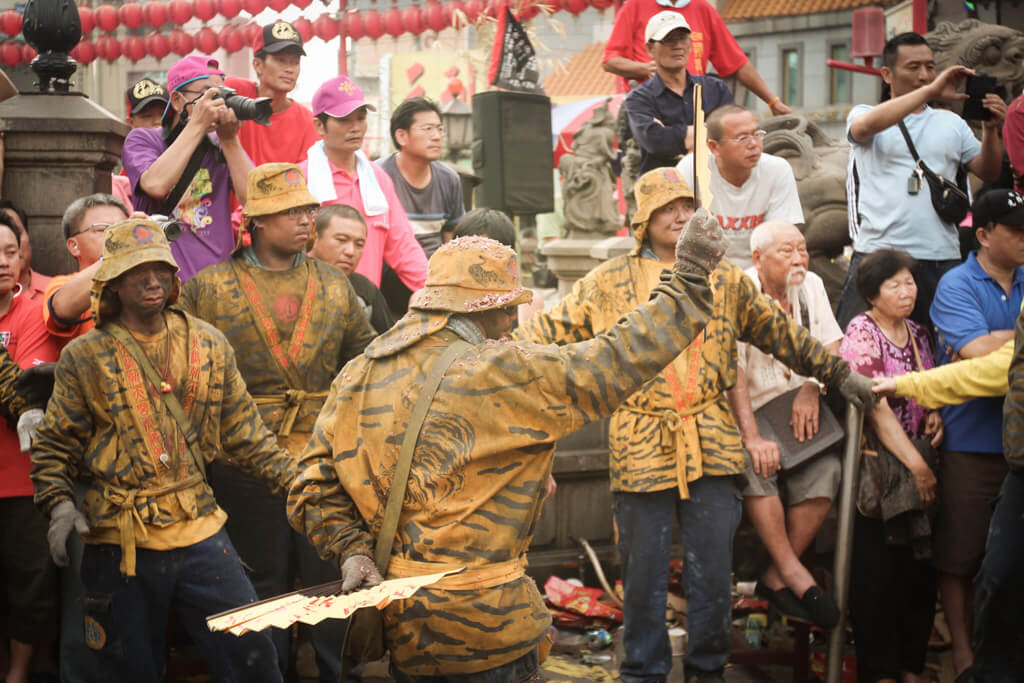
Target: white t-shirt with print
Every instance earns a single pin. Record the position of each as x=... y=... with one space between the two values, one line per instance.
x=768 y=195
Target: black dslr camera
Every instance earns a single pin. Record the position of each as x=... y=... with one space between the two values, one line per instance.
x=246 y=108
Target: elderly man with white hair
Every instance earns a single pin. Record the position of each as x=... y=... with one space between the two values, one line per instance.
x=788 y=506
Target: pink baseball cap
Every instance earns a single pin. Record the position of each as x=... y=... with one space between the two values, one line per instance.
x=188 y=69
x=339 y=97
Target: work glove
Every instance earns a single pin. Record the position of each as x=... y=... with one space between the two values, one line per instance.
x=63 y=518
x=359 y=572
x=28 y=423
x=35 y=384
x=856 y=389
x=700 y=246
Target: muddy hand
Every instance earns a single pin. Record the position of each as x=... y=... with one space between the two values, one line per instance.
x=358 y=572
x=701 y=245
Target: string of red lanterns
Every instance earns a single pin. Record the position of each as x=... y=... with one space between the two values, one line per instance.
x=371 y=24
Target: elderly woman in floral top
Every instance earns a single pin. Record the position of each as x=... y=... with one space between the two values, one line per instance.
x=893 y=601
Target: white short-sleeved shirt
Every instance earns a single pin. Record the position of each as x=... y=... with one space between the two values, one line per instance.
x=886 y=214
x=768 y=195
x=768 y=378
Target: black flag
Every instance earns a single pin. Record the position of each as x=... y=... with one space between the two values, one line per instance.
x=513 y=60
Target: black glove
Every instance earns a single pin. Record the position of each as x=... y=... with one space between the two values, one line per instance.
x=35 y=384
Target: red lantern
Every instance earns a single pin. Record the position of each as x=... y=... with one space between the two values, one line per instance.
x=450 y=10
x=473 y=10
x=180 y=11
x=10 y=53
x=181 y=42
x=601 y=5
x=130 y=15
x=528 y=9
x=134 y=48
x=412 y=20
x=279 y=5
x=158 y=45
x=373 y=27
x=28 y=53
x=325 y=27
x=88 y=21
x=206 y=41
x=108 y=48
x=106 y=18
x=84 y=52
x=354 y=25
x=305 y=28
x=494 y=7
x=154 y=14
x=575 y=6
x=433 y=17
x=230 y=39
x=10 y=22
x=254 y=7
x=393 y=22
x=229 y=8
x=204 y=9
x=250 y=31
x=302 y=4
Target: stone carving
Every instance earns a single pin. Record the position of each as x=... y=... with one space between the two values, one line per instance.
x=819 y=163
x=588 y=180
x=996 y=50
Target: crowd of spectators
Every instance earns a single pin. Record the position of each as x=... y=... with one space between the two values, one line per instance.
x=331 y=246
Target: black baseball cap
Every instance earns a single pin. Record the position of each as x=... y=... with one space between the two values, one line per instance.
x=999 y=206
x=277 y=37
x=144 y=92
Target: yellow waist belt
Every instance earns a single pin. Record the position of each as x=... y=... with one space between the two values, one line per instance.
x=291 y=401
x=679 y=436
x=128 y=516
x=473 y=578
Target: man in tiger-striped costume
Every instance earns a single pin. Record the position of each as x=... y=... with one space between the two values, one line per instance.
x=674 y=447
x=484 y=451
x=154 y=536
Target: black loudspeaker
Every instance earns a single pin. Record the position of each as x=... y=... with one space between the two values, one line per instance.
x=512 y=152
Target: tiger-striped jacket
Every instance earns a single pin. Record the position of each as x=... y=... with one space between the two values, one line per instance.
x=479 y=468
x=91 y=433
x=680 y=427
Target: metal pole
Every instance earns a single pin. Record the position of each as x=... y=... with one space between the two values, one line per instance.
x=844 y=542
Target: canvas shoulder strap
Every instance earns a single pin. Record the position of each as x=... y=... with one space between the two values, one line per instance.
x=393 y=508
x=170 y=400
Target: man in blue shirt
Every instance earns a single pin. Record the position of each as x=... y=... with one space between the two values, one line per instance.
x=890 y=204
x=975 y=309
x=660 y=110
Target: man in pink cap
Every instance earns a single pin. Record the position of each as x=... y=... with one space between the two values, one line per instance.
x=276 y=53
x=188 y=167
x=338 y=172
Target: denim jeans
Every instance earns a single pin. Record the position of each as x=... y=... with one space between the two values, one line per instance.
x=999 y=593
x=126 y=617
x=275 y=554
x=708 y=521
x=927 y=275
x=526 y=669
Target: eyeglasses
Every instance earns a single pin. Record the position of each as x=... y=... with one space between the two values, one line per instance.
x=757 y=135
x=99 y=228
x=300 y=211
x=429 y=129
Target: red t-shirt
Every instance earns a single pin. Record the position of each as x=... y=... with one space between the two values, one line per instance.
x=26 y=340
x=710 y=38
x=1013 y=138
x=286 y=139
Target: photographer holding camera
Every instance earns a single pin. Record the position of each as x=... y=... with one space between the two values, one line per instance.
x=188 y=167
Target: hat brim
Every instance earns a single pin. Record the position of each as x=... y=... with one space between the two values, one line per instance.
x=661 y=33
x=112 y=268
x=1013 y=218
x=148 y=101
x=462 y=300
x=344 y=110
x=267 y=206
x=281 y=46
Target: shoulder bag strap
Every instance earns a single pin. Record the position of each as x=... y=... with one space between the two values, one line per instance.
x=910 y=143
x=170 y=400
x=194 y=162
x=913 y=342
x=393 y=509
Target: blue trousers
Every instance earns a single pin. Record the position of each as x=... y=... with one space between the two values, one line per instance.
x=526 y=669
x=999 y=593
x=126 y=617
x=708 y=521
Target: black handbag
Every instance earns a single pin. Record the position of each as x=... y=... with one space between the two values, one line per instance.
x=950 y=201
